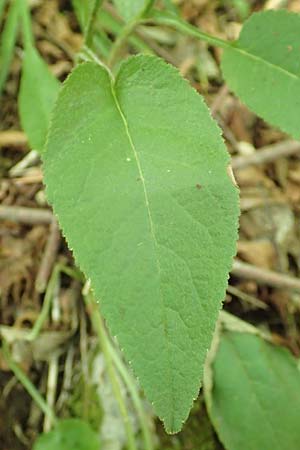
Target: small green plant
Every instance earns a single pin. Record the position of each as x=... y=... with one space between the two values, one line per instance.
x=139 y=178
x=69 y=434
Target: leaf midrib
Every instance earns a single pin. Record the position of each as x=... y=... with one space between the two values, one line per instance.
x=264 y=61
x=147 y=204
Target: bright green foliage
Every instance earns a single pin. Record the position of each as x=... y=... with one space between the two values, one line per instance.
x=69 y=434
x=263 y=68
x=131 y=8
x=38 y=92
x=136 y=171
x=83 y=9
x=8 y=39
x=255 y=401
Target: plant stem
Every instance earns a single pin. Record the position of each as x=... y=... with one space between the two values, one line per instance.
x=71 y=272
x=46 y=305
x=161 y=18
x=121 y=40
x=30 y=388
x=126 y=31
x=134 y=394
x=26 y=23
x=35 y=331
x=98 y=325
x=88 y=34
x=111 y=24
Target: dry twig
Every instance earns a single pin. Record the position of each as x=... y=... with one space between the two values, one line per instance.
x=264 y=276
x=29 y=159
x=267 y=154
x=216 y=104
x=28 y=216
x=12 y=138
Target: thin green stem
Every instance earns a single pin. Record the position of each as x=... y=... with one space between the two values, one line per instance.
x=121 y=40
x=71 y=272
x=30 y=388
x=161 y=18
x=112 y=25
x=59 y=268
x=101 y=43
x=126 y=32
x=148 y=6
x=46 y=305
x=26 y=23
x=88 y=34
x=129 y=382
x=99 y=328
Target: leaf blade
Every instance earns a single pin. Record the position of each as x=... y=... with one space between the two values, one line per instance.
x=261 y=68
x=149 y=261
x=38 y=92
x=69 y=434
x=249 y=371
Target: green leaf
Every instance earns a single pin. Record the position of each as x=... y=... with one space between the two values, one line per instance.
x=69 y=434
x=38 y=92
x=136 y=172
x=132 y=8
x=8 y=40
x=262 y=68
x=255 y=399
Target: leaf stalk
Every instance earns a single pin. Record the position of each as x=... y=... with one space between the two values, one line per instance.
x=88 y=34
x=28 y=36
x=126 y=31
x=171 y=20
